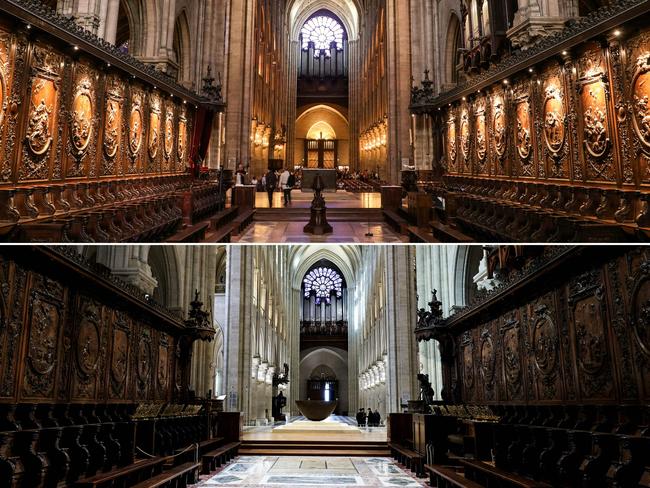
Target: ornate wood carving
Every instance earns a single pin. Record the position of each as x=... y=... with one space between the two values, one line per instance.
x=589 y=318
x=570 y=327
x=481 y=143
x=120 y=355
x=452 y=141
x=42 y=114
x=44 y=324
x=136 y=126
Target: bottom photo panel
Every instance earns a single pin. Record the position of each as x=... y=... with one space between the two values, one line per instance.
x=318 y=365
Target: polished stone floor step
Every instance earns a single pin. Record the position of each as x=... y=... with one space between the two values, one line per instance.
x=333 y=214
x=302 y=447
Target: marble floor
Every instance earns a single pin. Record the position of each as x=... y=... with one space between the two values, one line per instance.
x=344 y=233
x=305 y=472
x=275 y=433
x=340 y=199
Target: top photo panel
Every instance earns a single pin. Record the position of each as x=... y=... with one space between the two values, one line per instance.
x=333 y=121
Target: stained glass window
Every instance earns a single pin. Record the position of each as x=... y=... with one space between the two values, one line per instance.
x=322 y=31
x=323 y=282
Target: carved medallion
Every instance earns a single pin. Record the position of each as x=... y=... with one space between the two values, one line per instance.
x=40 y=123
x=641 y=97
x=451 y=140
x=590 y=339
x=182 y=138
x=545 y=342
x=511 y=356
x=481 y=136
x=524 y=143
x=169 y=134
x=135 y=127
x=464 y=135
x=500 y=128
x=112 y=128
x=163 y=367
x=88 y=342
x=43 y=337
x=488 y=357
x=154 y=128
x=144 y=359
x=596 y=131
x=554 y=115
x=81 y=118
x=120 y=356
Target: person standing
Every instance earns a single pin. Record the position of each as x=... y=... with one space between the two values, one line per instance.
x=292 y=184
x=284 y=184
x=271 y=183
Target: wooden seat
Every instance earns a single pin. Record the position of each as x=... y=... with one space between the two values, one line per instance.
x=447 y=234
x=444 y=477
x=224 y=217
x=192 y=234
x=135 y=472
x=177 y=477
x=243 y=220
x=411 y=459
x=399 y=223
x=214 y=459
x=483 y=472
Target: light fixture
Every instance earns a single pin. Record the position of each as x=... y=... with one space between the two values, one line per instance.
x=617 y=33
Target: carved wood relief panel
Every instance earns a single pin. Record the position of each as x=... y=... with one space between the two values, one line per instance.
x=595 y=123
x=481 y=138
x=452 y=142
x=584 y=119
x=63 y=118
x=41 y=134
x=582 y=339
x=83 y=124
x=60 y=341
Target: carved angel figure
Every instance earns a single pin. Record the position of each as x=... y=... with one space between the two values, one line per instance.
x=110 y=138
x=644 y=114
x=595 y=132
x=39 y=127
x=553 y=128
x=80 y=128
x=523 y=140
x=135 y=135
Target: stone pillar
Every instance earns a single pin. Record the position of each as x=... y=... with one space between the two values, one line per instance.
x=129 y=263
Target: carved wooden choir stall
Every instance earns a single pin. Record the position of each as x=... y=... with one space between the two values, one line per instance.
x=546 y=378
x=94 y=381
x=94 y=145
x=551 y=143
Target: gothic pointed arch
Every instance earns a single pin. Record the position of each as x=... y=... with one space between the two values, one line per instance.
x=182 y=48
x=452 y=49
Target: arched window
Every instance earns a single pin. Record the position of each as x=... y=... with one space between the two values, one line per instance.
x=322 y=31
x=323 y=283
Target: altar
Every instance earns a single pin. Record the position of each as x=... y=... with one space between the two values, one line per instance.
x=329 y=177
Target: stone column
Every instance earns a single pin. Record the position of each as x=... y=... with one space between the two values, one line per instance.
x=129 y=263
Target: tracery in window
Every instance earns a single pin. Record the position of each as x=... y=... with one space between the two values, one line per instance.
x=323 y=283
x=322 y=31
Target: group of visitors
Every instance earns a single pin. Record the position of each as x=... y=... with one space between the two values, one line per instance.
x=284 y=181
x=369 y=419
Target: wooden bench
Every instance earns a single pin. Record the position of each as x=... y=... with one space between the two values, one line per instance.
x=418 y=235
x=214 y=459
x=224 y=217
x=445 y=477
x=177 y=477
x=487 y=475
x=243 y=220
x=128 y=475
x=409 y=458
x=448 y=234
x=395 y=220
x=192 y=234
